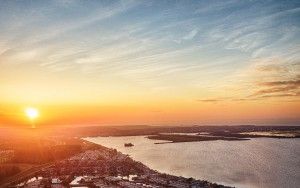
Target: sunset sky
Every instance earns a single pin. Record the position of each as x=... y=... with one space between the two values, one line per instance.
x=150 y=62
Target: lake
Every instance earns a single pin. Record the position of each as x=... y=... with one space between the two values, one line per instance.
x=259 y=162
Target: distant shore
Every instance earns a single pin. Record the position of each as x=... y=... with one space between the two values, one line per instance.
x=226 y=136
x=190 y=138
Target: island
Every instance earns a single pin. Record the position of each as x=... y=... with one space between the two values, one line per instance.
x=227 y=135
x=173 y=138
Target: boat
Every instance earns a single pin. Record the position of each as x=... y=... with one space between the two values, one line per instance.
x=128 y=145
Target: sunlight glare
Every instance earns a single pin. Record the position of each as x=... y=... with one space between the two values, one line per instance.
x=32 y=113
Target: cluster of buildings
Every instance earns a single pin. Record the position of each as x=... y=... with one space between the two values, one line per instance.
x=154 y=180
x=103 y=168
x=95 y=162
x=6 y=155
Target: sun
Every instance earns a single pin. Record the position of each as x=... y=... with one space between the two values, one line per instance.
x=32 y=113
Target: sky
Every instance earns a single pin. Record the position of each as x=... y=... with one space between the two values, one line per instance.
x=150 y=62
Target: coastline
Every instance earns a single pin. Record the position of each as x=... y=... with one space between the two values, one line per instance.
x=100 y=166
x=54 y=149
x=192 y=181
x=215 y=161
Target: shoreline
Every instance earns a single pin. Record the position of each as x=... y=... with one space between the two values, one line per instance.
x=73 y=141
x=101 y=166
x=214 y=185
x=162 y=155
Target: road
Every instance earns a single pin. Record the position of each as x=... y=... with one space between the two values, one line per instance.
x=24 y=174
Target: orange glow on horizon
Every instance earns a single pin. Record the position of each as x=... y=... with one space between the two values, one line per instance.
x=167 y=113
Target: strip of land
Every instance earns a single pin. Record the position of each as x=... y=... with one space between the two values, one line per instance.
x=190 y=138
x=59 y=157
x=221 y=135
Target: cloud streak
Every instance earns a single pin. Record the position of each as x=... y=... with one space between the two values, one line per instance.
x=149 y=45
x=286 y=88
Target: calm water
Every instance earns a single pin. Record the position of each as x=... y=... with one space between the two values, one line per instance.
x=262 y=162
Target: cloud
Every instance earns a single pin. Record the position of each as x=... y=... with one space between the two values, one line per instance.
x=228 y=99
x=289 y=83
x=275 y=90
x=245 y=99
x=282 y=95
x=191 y=35
x=285 y=88
x=109 y=41
x=209 y=100
x=272 y=68
x=216 y=6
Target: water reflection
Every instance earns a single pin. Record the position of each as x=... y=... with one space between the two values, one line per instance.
x=261 y=162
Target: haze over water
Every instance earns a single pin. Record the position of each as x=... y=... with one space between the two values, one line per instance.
x=261 y=162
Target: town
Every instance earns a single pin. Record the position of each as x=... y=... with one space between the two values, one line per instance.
x=43 y=158
x=105 y=168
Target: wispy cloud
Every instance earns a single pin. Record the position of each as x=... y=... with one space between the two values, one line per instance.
x=188 y=46
x=286 y=88
x=209 y=100
x=272 y=68
x=294 y=83
x=297 y=94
